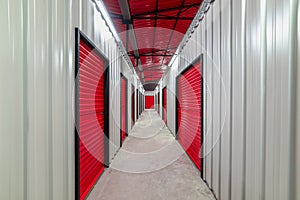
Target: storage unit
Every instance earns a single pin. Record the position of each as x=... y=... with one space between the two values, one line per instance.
x=91 y=108
x=149 y=102
x=164 y=100
x=189 y=112
x=124 y=94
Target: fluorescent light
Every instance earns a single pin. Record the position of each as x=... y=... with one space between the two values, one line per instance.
x=107 y=18
x=173 y=58
x=164 y=67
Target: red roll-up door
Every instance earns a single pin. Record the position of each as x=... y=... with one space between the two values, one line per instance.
x=90 y=115
x=149 y=102
x=165 y=105
x=189 y=112
x=124 y=108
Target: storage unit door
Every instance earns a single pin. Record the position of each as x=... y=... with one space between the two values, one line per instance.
x=124 y=108
x=149 y=102
x=165 y=105
x=132 y=106
x=91 y=85
x=189 y=112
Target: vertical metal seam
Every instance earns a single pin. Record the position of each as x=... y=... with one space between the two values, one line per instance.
x=206 y=107
x=212 y=97
x=50 y=118
x=66 y=61
x=231 y=97
x=263 y=64
x=244 y=95
x=292 y=97
x=25 y=100
x=220 y=98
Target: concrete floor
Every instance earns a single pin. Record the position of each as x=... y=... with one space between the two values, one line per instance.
x=151 y=166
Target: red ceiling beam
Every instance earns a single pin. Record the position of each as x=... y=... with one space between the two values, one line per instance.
x=162 y=18
x=174 y=27
x=168 y=9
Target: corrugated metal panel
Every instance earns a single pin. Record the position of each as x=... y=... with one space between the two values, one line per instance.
x=158 y=102
x=189 y=112
x=253 y=115
x=209 y=83
x=249 y=52
x=171 y=96
x=132 y=105
x=226 y=91
x=37 y=90
x=91 y=116
x=216 y=100
x=149 y=102
x=141 y=103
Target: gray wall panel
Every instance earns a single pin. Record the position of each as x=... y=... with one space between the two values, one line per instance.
x=37 y=87
x=237 y=103
x=252 y=100
x=216 y=119
x=251 y=96
x=225 y=137
x=209 y=92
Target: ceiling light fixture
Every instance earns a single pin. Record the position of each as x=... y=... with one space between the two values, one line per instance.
x=107 y=18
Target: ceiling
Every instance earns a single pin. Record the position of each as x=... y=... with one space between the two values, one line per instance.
x=155 y=29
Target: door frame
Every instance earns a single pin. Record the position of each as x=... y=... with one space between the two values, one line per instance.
x=79 y=35
x=197 y=59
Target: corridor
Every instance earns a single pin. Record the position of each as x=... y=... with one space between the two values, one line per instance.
x=151 y=165
x=150 y=100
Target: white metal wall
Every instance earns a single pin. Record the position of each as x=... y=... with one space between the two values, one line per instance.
x=171 y=96
x=37 y=94
x=251 y=103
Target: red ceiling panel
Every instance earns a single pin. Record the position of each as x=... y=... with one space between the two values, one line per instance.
x=159 y=28
x=112 y=6
x=141 y=6
x=144 y=39
x=162 y=5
